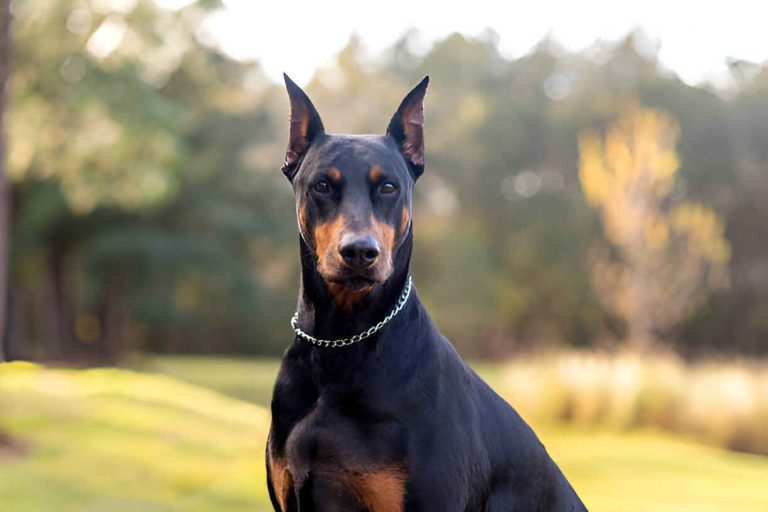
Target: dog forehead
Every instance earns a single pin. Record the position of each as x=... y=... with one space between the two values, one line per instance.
x=356 y=153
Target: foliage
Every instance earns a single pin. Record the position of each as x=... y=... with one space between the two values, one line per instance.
x=149 y=212
x=671 y=255
x=155 y=267
x=82 y=113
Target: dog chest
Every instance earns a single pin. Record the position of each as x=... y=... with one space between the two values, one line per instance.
x=359 y=452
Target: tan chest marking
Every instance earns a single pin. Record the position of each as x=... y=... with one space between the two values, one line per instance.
x=382 y=490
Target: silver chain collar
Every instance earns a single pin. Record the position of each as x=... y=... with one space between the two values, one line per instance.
x=357 y=337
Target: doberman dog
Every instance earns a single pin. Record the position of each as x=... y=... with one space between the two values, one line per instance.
x=373 y=409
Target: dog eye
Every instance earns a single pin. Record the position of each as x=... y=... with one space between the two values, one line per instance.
x=388 y=188
x=322 y=187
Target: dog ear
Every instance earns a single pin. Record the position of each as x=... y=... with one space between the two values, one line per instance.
x=407 y=127
x=305 y=126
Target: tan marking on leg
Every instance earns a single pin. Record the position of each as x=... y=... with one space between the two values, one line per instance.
x=282 y=483
x=375 y=174
x=382 y=490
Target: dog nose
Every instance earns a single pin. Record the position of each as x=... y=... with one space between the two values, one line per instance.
x=359 y=252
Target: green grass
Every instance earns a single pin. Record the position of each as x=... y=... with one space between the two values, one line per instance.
x=122 y=440
x=242 y=378
x=652 y=471
x=114 y=440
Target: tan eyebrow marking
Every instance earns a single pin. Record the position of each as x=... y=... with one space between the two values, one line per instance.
x=375 y=174
x=334 y=174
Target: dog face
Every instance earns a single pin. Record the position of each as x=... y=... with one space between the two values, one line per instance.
x=353 y=192
x=353 y=197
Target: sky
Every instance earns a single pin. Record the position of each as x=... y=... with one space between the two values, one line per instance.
x=693 y=39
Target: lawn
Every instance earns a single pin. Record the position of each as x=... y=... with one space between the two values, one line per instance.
x=187 y=434
x=114 y=440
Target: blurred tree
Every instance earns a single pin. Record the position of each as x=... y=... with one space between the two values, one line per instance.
x=499 y=206
x=670 y=257
x=150 y=213
x=89 y=132
x=5 y=192
x=145 y=216
x=738 y=319
x=212 y=263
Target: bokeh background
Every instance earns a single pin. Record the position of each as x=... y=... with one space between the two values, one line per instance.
x=591 y=232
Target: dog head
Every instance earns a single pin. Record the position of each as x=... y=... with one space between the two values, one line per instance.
x=353 y=192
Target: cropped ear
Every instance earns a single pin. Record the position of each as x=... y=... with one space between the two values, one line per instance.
x=407 y=127
x=305 y=126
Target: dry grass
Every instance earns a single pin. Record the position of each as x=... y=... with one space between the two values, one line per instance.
x=721 y=403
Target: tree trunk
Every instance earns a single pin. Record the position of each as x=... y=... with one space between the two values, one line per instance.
x=111 y=322
x=19 y=339
x=61 y=340
x=5 y=71
x=639 y=208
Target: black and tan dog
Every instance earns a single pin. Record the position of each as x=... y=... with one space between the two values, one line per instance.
x=373 y=409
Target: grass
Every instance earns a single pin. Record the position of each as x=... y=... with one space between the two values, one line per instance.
x=115 y=440
x=187 y=434
x=651 y=471
x=242 y=378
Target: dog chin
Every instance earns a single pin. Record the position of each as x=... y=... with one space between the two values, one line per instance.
x=354 y=283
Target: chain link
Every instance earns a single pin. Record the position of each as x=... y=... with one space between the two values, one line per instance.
x=343 y=342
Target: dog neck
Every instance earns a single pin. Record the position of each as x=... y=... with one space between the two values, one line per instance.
x=321 y=316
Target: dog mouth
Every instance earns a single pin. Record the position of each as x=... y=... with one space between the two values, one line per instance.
x=339 y=276
x=354 y=283
x=350 y=287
